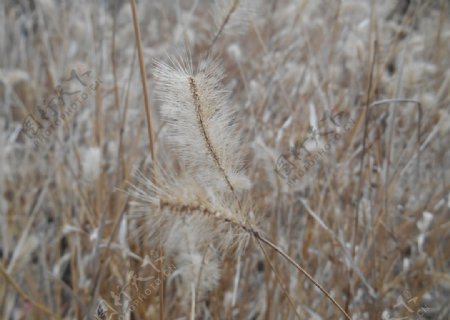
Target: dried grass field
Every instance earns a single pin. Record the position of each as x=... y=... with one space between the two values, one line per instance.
x=225 y=159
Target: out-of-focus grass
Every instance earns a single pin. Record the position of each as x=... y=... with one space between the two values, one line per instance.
x=370 y=221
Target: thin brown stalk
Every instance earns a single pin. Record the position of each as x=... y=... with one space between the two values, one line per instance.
x=310 y=278
x=111 y=238
x=225 y=21
x=137 y=34
x=24 y=296
x=277 y=276
x=361 y=165
x=120 y=153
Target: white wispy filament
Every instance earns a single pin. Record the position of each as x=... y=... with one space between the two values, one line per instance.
x=201 y=126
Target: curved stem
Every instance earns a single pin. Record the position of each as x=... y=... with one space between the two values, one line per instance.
x=24 y=296
x=310 y=278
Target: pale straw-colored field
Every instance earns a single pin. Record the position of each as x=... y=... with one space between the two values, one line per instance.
x=287 y=159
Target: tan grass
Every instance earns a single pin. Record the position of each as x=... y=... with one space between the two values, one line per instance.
x=366 y=226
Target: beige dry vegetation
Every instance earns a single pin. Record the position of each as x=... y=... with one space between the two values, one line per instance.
x=86 y=216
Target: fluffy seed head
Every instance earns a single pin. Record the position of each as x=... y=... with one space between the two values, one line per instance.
x=200 y=123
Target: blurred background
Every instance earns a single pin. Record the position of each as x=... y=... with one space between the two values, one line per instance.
x=368 y=216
